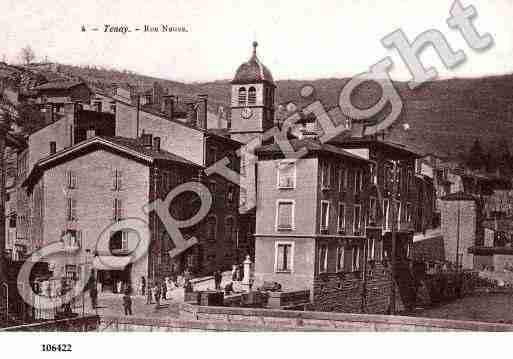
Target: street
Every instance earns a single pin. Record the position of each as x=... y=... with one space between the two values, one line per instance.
x=497 y=308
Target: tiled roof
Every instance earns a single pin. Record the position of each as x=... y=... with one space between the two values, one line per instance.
x=312 y=145
x=253 y=71
x=58 y=85
x=136 y=145
x=459 y=196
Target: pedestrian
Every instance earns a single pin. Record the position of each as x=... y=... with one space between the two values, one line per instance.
x=228 y=289
x=149 y=295
x=164 y=290
x=93 y=293
x=234 y=272
x=157 y=295
x=143 y=285
x=217 y=279
x=127 y=303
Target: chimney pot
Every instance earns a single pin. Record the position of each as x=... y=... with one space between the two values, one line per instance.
x=156 y=143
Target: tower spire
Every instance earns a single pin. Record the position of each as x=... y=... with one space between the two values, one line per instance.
x=255 y=44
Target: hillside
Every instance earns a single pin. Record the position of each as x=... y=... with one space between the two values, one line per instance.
x=443 y=116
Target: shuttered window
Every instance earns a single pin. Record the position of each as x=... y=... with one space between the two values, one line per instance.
x=285 y=220
x=117 y=209
x=283 y=259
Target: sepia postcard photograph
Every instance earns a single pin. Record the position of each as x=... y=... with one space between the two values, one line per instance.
x=256 y=178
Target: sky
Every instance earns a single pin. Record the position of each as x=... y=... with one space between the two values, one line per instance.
x=297 y=39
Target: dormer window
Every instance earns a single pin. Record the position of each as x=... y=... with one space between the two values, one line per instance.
x=242 y=96
x=251 y=96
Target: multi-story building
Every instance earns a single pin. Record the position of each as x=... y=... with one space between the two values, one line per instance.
x=313 y=228
x=186 y=138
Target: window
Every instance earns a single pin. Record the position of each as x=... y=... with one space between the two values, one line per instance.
x=323 y=258
x=373 y=174
x=373 y=208
x=71 y=179
x=117 y=180
x=72 y=239
x=341 y=223
x=117 y=209
x=229 y=229
x=356 y=259
x=71 y=271
x=286 y=175
x=386 y=207
x=398 y=213
x=285 y=215
x=325 y=175
x=211 y=228
x=230 y=195
x=340 y=258
x=119 y=241
x=371 y=248
x=357 y=181
x=284 y=255
x=388 y=177
x=242 y=96
x=341 y=179
x=252 y=96
x=325 y=213
x=90 y=133
x=71 y=209
x=408 y=212
x=357 y=219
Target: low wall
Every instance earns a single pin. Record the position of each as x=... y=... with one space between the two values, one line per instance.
x=78 y=324
x=286 y=320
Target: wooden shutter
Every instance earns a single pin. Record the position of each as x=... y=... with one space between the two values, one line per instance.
x=348 y=259
x=120 y=181
x=114 y=180
x=114 y=208
x=74 y=209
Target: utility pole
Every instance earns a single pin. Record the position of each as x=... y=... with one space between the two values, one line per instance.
x=3 y=270
x=458 y=238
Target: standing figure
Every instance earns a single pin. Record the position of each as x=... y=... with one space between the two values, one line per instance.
x=164 y=290
x=93 y=293
x=149 y=295
x=127 y=303
x=217 y=279
x=234 y=272
x=157 y=295
x=143 y=285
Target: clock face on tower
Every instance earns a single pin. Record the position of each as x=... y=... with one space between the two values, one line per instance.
x=246 y=112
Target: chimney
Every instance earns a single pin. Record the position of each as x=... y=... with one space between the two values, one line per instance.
x=202 y=112
x=53 y=147
x=191 y=112
x=168 y=105
x=156 y=143
x=146 y=139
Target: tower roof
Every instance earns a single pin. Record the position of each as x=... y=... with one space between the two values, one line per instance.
x=253 y=71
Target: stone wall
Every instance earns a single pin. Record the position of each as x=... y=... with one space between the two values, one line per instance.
x=346 y=292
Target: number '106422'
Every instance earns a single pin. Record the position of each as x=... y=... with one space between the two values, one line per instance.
x=56 y=347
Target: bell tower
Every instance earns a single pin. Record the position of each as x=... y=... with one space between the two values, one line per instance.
x=252 y=100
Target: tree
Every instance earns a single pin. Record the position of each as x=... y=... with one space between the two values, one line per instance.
x=27 y=55
x=476 y=158
x=503 y=159
x=29 y=118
